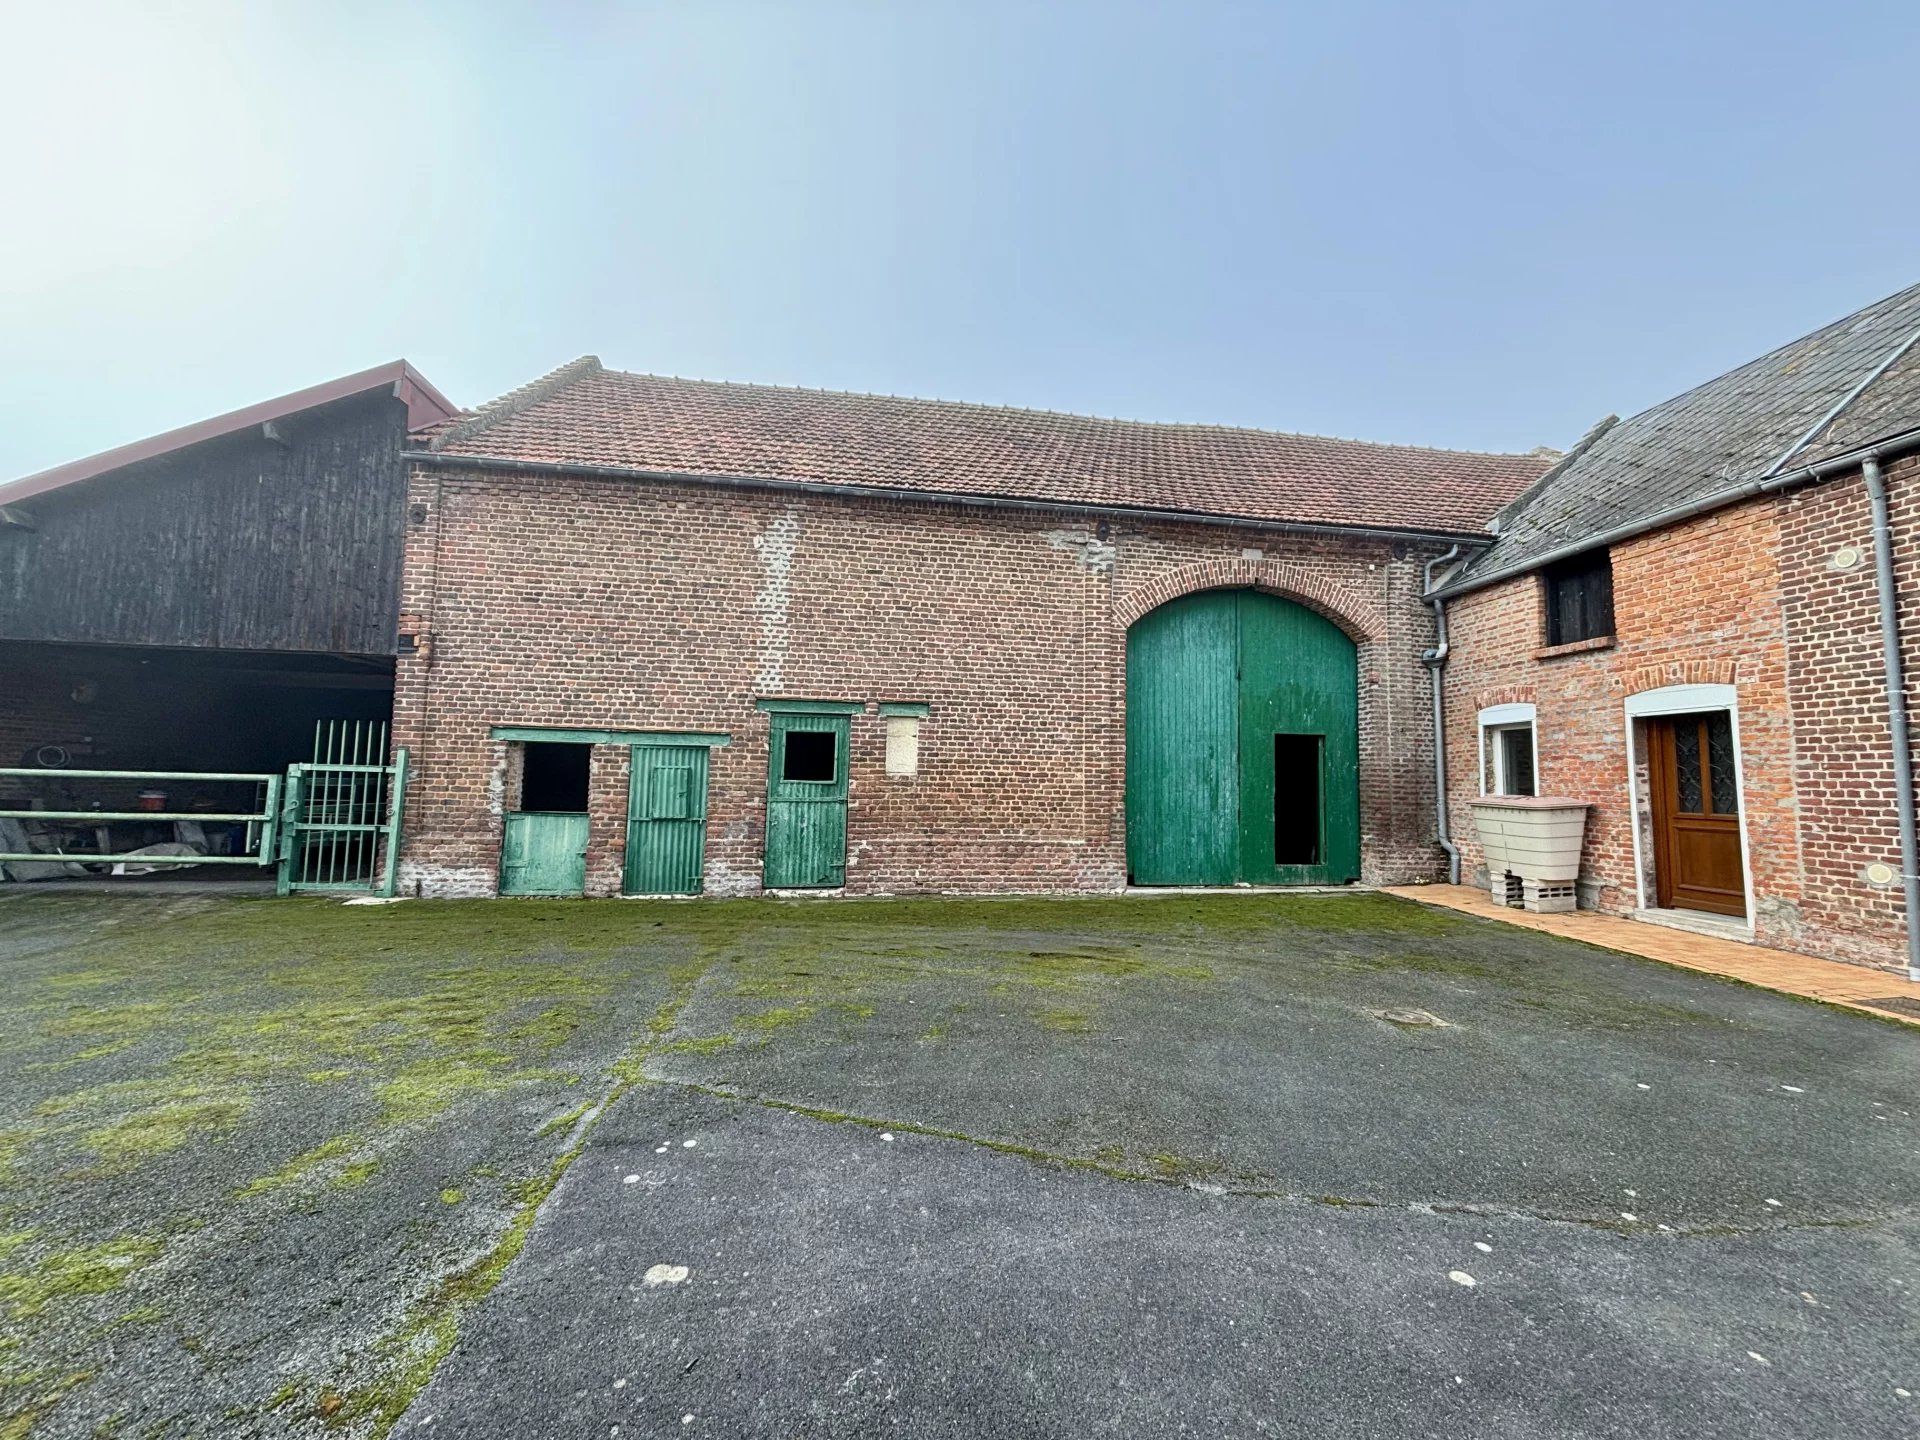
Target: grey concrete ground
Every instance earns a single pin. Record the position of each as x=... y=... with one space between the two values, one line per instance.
x=1191 y=1165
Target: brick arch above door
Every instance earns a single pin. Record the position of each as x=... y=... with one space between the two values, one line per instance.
x=1358 y=618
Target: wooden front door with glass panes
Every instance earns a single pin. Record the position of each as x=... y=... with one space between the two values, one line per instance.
x=1696 y=813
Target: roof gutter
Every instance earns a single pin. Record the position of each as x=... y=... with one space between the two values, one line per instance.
x=938 y=497
x=1718 y=500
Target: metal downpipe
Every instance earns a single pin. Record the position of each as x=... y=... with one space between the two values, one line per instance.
x=1435 y=660
x=1896 y=705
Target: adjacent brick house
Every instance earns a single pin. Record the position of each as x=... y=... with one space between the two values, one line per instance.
x=1735 y=534
x=607 y=570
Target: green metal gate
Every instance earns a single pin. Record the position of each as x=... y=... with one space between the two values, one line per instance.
x=258 y=843
x=341 y=812
x=807 y=799
x=1242 y=744
x=666 y=820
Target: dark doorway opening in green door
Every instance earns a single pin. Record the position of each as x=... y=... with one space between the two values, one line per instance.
x=1242 y=744
x=1296 y=799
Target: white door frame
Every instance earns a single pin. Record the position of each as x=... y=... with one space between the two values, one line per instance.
x=1685 y=700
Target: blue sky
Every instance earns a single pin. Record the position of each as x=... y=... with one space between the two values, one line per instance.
x=1475 y=224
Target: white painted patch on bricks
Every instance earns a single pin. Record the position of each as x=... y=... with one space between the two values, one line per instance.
x=448 y=882
x=775 y=546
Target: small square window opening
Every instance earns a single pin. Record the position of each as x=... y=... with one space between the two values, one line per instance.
x=810 y=756
x=553 y=777
x=1579 y=598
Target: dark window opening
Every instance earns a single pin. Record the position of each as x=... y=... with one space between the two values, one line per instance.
x=553 y=777
x=810 y=756
x=1296 y=799
x=1515 y=770
x=1580 y=598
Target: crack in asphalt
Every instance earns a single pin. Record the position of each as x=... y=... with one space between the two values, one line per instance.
x=1711 y=1230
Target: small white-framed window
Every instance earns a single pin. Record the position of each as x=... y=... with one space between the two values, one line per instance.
x=1509 y=751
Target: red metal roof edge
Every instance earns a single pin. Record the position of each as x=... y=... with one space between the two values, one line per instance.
x=425 y=406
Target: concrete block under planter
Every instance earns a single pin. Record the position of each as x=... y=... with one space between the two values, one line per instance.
x=1532 y=845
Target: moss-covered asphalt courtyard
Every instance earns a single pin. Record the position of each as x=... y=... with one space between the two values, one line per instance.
x=1314 y=1165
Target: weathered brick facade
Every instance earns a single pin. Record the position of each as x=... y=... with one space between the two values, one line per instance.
x=1746 y=596
x=553 y=600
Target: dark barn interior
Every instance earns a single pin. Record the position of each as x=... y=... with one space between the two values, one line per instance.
x=203 y=601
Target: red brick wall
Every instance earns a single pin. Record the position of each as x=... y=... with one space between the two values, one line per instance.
x=543 y=600
x=1742 y=596
x=1837 y=682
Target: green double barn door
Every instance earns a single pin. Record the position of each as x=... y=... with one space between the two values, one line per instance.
x=1242 y=744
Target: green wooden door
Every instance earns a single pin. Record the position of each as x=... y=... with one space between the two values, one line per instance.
x=544 y=853
x=1183 y=743
x=1299 y=746
x=806 y=801
x=666 y=820
x=1242 y=744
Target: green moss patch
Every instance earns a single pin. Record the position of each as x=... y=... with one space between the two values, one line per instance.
x=65 y=1275
x=158 y=1129
x=298 y=1168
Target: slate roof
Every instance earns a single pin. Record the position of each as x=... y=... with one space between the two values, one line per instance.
x=1754 y=421
x=586 y=414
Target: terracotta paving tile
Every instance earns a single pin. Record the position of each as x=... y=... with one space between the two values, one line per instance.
x=1854 y=986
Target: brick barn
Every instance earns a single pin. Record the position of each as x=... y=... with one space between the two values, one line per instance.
x=665 y=636
x=1681 y=625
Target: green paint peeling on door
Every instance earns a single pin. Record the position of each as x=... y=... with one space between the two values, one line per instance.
x=1242 y=744
x=544 y=852
x=667 y=820
x=806 y=801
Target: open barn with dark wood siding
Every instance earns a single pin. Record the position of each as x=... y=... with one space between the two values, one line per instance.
x=205 y=600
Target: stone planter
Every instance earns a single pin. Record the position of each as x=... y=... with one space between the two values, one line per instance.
x=1532 y=845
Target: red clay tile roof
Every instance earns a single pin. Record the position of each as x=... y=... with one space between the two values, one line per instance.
x=583 y=414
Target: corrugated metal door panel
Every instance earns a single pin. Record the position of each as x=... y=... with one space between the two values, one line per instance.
x=806 y=817
x=666 y=820
x=544 y=853
x=1299 y=678
x=1182 y=755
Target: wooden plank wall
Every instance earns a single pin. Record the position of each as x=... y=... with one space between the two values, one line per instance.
x=245 y=542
